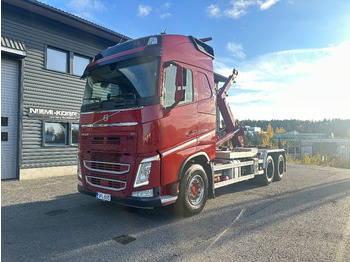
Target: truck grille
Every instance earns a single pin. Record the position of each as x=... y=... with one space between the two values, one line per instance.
x=110 y=184
x=107 y=167
x=122 y=143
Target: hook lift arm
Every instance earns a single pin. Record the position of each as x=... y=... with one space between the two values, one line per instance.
x=233 y=131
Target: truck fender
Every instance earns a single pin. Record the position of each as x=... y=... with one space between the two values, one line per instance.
x=202 y=159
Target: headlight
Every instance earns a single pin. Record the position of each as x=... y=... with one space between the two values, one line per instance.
x=142 y=177
x=143 y=172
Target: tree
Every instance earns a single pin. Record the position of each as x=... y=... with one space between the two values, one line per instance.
x=269 y=131
x=280 y=130
x=263 y=139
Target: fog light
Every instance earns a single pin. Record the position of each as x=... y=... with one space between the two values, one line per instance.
x=143 y=193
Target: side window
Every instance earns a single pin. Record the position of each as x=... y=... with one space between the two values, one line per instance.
x=188 y=86
x=169 y=86
x=203 y=87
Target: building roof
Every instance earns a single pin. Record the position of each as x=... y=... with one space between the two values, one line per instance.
x=67 y=18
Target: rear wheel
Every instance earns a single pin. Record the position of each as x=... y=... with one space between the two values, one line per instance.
x=269 y=172
x=193 y=190
x=279 y=169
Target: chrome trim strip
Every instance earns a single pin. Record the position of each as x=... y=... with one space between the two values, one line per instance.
x=113 y=124
x=104 y=187
x=167 y=199
x=188 y=143
x=150 y=159
x=107 y=171
x=206 y=135
x=107 y=111
x=180 y=147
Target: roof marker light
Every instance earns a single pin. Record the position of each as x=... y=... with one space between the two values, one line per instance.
x=152 y=41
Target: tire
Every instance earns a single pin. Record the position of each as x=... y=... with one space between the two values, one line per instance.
x=269 y=172
x=193 y=191
x=279 y=169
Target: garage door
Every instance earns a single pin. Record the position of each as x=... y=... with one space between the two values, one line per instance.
x=9 y=118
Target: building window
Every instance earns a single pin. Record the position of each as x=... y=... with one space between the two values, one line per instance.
x=75 y=134
x=66 y=61
x=79 y=64
x=60 y=134
x=55 y=133
x=57 y=60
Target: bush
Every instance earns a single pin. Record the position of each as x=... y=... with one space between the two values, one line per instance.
x=318 y=160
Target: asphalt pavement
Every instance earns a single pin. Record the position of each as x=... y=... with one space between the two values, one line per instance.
x=304 y=217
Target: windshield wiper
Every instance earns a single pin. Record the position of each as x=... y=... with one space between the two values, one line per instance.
x=94 y=99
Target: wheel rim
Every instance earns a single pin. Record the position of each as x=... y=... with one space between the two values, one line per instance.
x=195 y=190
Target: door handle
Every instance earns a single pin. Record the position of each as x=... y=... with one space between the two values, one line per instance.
x=191 y=133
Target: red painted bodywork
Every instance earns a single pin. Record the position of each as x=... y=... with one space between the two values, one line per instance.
x=150 y=130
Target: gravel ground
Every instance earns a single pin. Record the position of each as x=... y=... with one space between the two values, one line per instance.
x=304 y=217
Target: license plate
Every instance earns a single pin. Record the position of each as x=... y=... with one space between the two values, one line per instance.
x=103 y=196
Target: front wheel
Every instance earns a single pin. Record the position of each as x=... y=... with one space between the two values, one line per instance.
x=193 y=190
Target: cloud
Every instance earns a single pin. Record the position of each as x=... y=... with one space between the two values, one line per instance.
x=86 y=8
x=306 y=84
x=213 y=11
x=166 y=5
x=163 y=11
x=238 y=8
x=235 y=50
x=165 y=15
x=267 y=4
x=144 y=10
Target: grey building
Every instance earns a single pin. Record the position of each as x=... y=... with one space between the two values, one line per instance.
x=43 y=53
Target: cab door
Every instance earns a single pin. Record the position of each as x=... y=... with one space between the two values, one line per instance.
x=178 y=126
x=206 y=113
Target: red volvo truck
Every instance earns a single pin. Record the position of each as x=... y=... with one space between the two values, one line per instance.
x=149 y=131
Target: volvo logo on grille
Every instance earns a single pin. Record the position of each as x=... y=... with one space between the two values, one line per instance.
x=105 y=117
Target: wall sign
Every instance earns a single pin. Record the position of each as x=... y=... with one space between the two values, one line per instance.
x=53 y=113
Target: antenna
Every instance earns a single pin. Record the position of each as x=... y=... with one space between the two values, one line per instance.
x=167 y=27
x=121 y=39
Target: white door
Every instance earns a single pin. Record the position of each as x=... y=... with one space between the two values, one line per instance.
x=9 y=118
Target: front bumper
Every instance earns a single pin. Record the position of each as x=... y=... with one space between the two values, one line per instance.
x=140 y=202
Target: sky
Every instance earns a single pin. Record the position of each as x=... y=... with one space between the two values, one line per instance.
x=293 y=56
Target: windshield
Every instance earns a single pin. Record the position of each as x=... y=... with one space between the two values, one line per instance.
x=123 y=84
